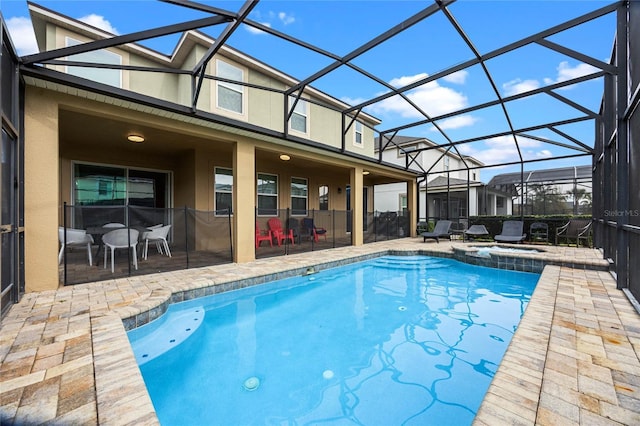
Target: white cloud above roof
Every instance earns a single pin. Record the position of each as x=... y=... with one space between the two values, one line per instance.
x=517 y=86
x=458 y=77
x=22 y=35
x=456 y=122
x=432 y=98
x=99 y=22
x=502 y=149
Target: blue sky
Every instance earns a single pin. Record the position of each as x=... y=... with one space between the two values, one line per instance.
x=424 y=49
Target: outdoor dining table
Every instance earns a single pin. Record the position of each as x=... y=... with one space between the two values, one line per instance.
x=98 y=231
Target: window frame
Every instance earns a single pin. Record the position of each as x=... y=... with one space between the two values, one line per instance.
x=358 y=129
x=306 y=197
x=259 y=194
x=216 y=191
x=320 y=195
x=305 y=114
x=230 y=86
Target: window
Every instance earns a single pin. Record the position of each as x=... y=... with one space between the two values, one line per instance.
x=298 y=120
x=473 y=176
x=299 y=196
x=403 y=203
x=358 y=134
x=323 y=197
x=116 y=186
x=112 y=77
x=223 y=191
x=267 y=194
x=500 y=202
x=229 y=95
x=446 y=162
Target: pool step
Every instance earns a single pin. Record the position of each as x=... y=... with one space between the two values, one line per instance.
x=176 y=328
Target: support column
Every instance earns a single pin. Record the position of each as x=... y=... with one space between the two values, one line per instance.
x=412 y=205
x=244 y=202
x=41 y=190
x=357 y=207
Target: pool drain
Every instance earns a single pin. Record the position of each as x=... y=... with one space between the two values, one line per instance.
x=251 y=383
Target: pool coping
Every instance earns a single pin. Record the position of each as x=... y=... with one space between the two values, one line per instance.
x=120 y=393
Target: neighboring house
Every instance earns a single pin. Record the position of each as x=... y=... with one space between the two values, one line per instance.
x=447 y=173
x=565 y=190
x=233 y=149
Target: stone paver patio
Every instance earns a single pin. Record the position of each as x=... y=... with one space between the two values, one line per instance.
x=574 y=359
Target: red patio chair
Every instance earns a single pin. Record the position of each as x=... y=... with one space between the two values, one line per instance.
x=275 y=226
x=263 y=236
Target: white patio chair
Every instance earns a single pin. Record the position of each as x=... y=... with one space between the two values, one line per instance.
x=75 y=237
x=158 y=236
x=120 y=238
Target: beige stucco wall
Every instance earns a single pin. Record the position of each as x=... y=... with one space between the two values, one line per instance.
x=41 y=186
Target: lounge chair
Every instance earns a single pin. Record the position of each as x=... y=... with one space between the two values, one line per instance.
x=475 y=231
x=511 y=232
x=578 y=229
x=441 y=230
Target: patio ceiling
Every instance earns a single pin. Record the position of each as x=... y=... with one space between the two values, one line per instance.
x=510 y=113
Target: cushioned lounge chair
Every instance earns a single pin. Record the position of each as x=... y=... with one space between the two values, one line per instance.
x=441 y=230
x=511 y=232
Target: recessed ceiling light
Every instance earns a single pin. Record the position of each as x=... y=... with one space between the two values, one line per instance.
x=285 y=157
x=365 y=172
x=135 y=138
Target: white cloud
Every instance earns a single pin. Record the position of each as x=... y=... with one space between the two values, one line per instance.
x=458 y=77
x=432 y=98
x=254 y=30
x=285 y=18
x=502 y=149
x=517 y=86
x=22 y=35
x=99 y=22
x=567 y=72
x=456 y=122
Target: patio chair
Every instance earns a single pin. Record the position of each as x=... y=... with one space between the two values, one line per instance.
x=294 y=226
x=578 y=229
x=475 y=231
x=441 y=230
x=314 y=232
x=511 y=232
x=263 y=236
x=120 y=238
x=279 y=234
x=539 y=232
x=75 y=237
x=158 y=236
x=422 y=227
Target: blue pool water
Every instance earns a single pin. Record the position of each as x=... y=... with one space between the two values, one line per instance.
x=395 y=340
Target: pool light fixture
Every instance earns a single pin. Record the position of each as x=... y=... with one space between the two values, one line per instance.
x=135 y=138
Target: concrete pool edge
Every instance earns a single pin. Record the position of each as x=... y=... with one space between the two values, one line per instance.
x=513 y=394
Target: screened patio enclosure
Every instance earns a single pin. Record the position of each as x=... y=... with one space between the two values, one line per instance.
x=612 y=117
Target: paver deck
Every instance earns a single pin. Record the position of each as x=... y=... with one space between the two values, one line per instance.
x=574 y=359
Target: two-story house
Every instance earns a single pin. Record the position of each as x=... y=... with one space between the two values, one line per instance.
x=110 y=121
x=450 y=187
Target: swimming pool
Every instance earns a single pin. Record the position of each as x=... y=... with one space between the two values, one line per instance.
x=393 y=340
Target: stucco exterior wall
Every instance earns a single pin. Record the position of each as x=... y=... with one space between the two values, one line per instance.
x=41 y=189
